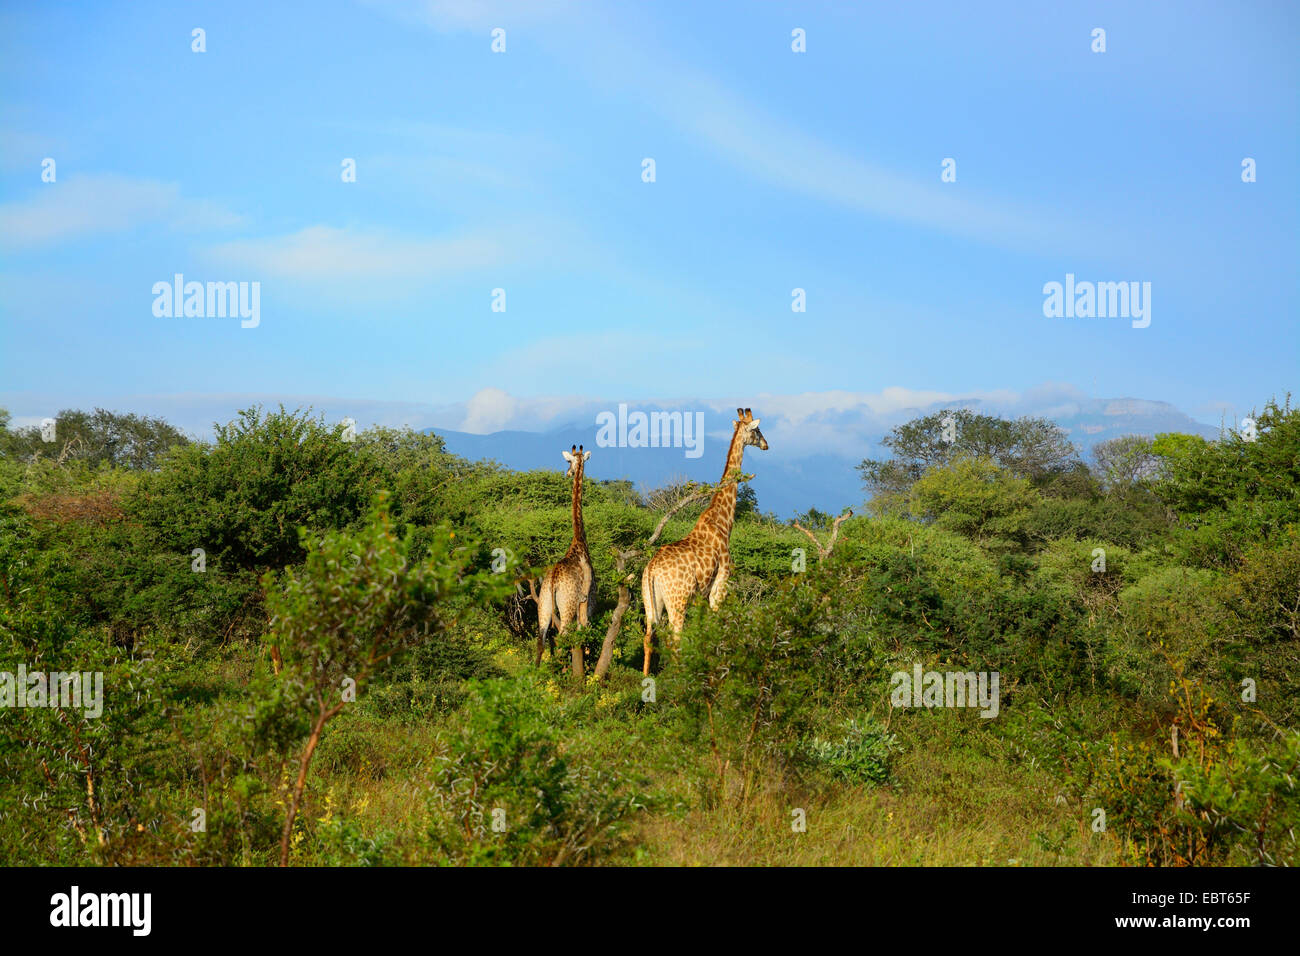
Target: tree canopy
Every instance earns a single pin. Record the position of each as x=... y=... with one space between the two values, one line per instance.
x=1034 y=449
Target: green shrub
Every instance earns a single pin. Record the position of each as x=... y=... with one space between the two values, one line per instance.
x=977 y=499
x=863 y=755
x=506 y=793
x=1176 y=613
x=337 y=840
x=1235 y=803
x=752 y=681
x=358 y=603
x=244 y=497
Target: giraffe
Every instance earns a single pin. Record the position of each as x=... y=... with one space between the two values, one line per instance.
x=567 y=587
x=702 y=560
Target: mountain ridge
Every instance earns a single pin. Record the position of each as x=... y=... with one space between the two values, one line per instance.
x=798 y=472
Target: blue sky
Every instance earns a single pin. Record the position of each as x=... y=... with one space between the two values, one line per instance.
x=522 y=170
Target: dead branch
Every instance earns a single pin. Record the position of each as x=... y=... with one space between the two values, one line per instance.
x=681 y=503
x=823 y=553
x=74 y=444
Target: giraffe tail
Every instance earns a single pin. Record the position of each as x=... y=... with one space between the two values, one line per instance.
x=651 y=612
x=649 y=599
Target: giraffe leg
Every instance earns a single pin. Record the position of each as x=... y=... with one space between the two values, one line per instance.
x=584 y=595
x=588 y=599
x=545 y=615
x=577 y=648
x=649 y=640
x=568 y=609
x=676 y=621
x=580 y=650
x=718 y=592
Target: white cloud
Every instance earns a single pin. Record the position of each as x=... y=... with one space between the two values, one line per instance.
x=840 y=423
x=86 y=205
x=777 y=151
x=324 y=253
x=773 y=149
x=489 y=410
x=797 y=409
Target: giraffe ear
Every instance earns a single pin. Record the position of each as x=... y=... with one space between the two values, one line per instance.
x=587 y=456
x=567 y=456
x=755 y=422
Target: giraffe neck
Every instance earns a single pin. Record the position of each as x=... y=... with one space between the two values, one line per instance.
x=579 y=532
x=721 y=512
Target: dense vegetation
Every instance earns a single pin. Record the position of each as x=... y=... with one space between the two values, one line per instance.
x=313 y=650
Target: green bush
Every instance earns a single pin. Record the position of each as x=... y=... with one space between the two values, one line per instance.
x=1174 y=613
x=244 y=497
x=864 y=754
x=506 y=793
x=975 y=498
x=753 y=681
x=1219 y=803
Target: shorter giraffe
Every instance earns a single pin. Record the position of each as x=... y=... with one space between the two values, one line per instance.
x=701 y=561
x=567 y=587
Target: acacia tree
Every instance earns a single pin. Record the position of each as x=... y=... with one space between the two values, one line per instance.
x=1126 y=462
x=356 y=603
x=99 y=437
x=1235 y=492
x=1034 y=449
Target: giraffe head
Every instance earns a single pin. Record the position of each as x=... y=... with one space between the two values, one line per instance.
x=575 y=456
x=747 y=425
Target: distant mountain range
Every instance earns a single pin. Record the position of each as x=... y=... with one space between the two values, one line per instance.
x=812 y=458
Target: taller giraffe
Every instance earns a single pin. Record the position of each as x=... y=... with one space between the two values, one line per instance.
x=702 y=560
x=566 y=587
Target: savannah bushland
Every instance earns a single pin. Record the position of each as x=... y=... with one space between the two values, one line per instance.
x=317 y=648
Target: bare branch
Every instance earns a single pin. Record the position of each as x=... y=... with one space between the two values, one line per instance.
x=681 y=503
x=532 y=589
x=835 y=530
x=816 y=544
x=825 y=552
